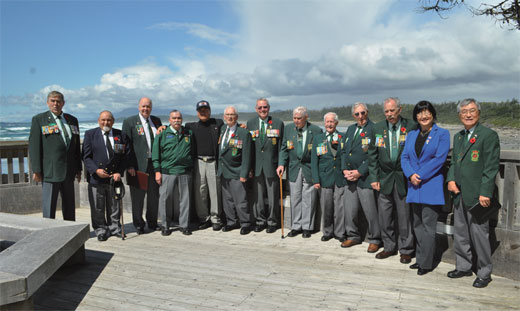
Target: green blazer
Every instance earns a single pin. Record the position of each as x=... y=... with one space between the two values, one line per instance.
x=355 y=153
x=288 y=152
x=234 y=160
x=139 y=153
x=326 y=167
x=48 y=152
x=380 y=166
x=474 y=167
x=265 y=154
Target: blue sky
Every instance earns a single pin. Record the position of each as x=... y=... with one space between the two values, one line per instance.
x=107 y=54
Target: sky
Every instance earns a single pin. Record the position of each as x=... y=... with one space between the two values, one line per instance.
x=108 y=54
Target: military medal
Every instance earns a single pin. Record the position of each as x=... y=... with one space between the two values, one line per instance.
x=140 y=129
x=290 y=145
x=274 y=140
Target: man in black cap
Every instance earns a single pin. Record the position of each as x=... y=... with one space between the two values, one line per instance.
x=206 y=182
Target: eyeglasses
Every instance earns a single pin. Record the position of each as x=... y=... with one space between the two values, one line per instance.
x=230 y=114
x=425 y=113
x=469 y=111
x=361 y=112
x=262 y=108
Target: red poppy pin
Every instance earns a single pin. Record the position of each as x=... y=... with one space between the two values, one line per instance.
x=116 y=138
x=362 y=134
x=270 y=122
x=339 y=136
x=403 y=129
x=472 y=140
x=233 y=135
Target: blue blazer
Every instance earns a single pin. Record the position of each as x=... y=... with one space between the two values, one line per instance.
x=428 y=166
x=95 y=154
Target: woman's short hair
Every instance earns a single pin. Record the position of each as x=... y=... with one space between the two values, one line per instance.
x=422 y=106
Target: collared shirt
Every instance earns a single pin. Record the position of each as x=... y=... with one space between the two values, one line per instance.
x=471 y=130
x=65 y=124
x=265 y=121
x=144 y=122
x=390 y=135
x=231 y=131
x=173 y=130
x=110 y=137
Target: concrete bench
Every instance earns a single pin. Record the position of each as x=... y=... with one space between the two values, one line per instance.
x=41 y=246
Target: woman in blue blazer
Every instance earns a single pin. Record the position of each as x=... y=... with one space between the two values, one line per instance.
x=424 y=154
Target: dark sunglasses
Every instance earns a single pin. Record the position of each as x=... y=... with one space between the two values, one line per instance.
x=362 y=113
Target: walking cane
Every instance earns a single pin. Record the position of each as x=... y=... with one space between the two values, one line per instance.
x=119 y=193
x=281 y=204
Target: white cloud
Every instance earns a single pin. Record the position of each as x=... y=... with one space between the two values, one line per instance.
x=317 y=54
x=199 y=30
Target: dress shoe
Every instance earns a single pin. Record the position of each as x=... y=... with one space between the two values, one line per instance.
x=414 y=266
x=325 y=238
x=166 y=232
x=228 y=228
x=260 y=228
x=271 y=229
x=154 y=228
x=139 y=230
x=406 y=259
x=294 y=233
x=349 y=243
x=455 y=274
x=245 y=230
x=306 y=234
x=341 y=239
x=186 y=231
x=102 y=237
x=384 y=254
x=372 y=248
x=481 y=283
x=204 y=225
x=217 y=227
x=421 y=271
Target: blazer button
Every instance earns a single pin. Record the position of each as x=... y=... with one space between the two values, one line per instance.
x=350 y=154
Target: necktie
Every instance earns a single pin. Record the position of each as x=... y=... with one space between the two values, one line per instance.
x=394 y=143
x=150 y=131
x=65 y=133
x=465 y=139
x=262 y=132
x=109 y=146
x=224 y=142
x=357 y=132
x=299 y=144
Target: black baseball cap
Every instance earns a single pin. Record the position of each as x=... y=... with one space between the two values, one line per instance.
x=202 y=104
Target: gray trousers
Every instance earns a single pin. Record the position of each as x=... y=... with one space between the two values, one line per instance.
x=50 y=192
x=468 y=234
x=304 y=198
x=333 y=211
x=207 y=191
x=266 y=213
x=166 y=197
x=103 y=205
x=356 y=198
x=387 y=205
x=234 y=201
x=152 y=201
x=425 y=226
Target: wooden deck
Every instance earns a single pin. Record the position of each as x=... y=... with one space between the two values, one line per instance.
x=224 y=270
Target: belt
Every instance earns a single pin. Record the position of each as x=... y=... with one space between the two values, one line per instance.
x=206 y=158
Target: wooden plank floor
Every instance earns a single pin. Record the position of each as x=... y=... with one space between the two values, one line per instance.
x=224 y=270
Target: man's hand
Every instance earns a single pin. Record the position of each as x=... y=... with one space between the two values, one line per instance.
x=317 y=186
x=484 y=201
x=243 y=179
x=131 y=171
x=101 y=173
x=452 y=187
x=351 y=175
x=279 y=170
x=37 y=177
x=160 y=129
x=158 y=178
x=243 y=125
x=415 y=179
x=376 y=185
x=116 y=176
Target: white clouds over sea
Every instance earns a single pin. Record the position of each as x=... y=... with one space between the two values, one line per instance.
x=315 y=53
